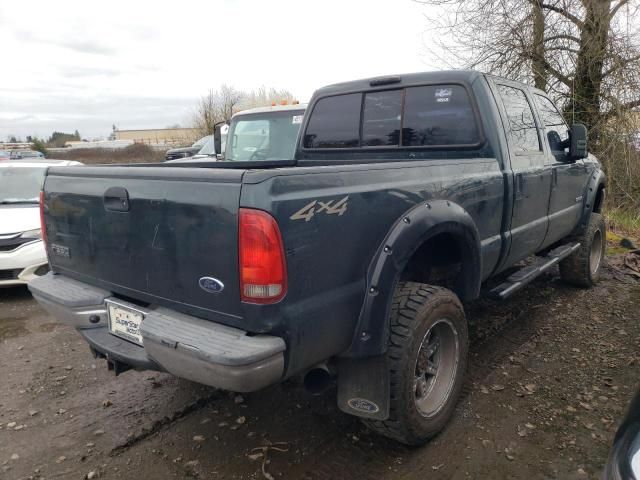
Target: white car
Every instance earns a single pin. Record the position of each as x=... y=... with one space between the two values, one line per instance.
x=22 y=252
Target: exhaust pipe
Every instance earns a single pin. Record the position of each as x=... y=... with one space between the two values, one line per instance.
x=317 y=380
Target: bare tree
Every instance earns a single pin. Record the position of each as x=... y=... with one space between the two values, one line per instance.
x=219 y=105
x=585 y=53
x=263 y=97
x=215 y=106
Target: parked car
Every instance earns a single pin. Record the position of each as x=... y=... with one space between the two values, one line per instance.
x=263 y=132
x=624 y=457
x=20 y=154
x=183 y=152
x=351 y=257
x=5 y=155
x=206 y=154
x=22 y=252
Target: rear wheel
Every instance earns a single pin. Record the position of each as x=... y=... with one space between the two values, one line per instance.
x=427 y=358
x=582 y=268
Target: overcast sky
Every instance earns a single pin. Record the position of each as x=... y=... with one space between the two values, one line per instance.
x=87 y=65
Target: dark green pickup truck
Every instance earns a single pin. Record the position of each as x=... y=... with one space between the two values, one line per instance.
x=350 y=258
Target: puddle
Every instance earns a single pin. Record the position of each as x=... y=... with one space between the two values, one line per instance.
x=15 y=327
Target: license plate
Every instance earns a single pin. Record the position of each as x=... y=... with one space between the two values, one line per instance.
x=125 y=322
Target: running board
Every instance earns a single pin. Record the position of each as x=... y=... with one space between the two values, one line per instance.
x=526 y=274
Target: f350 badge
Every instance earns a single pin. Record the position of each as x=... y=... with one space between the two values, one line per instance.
x=332 y=207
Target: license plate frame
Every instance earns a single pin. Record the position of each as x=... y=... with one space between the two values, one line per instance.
x=124 y=321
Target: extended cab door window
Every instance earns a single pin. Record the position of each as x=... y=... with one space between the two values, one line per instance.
x=335 y=122
x=522 y=125
x=555 y=128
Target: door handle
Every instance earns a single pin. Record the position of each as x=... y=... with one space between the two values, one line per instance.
x=555 y=177
x=519 y=184
x=116 y=199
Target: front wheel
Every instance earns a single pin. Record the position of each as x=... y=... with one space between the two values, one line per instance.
x=582 y=267
x=427 y=358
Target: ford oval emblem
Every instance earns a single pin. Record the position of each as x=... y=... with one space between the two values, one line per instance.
x=363 y=405
x=211 y=285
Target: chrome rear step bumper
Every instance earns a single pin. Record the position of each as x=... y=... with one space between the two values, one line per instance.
x=189 y=347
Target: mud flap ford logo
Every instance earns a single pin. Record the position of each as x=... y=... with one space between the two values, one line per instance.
x=363 y=405
x=211 y=285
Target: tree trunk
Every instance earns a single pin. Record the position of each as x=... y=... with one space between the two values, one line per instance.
x=538 y=62
x=589 y=64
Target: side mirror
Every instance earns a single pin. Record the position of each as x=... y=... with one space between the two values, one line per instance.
x=578 y=142
x=217 y=136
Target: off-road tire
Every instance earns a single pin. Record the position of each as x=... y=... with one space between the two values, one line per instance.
x=580 y=268
x=416 y=308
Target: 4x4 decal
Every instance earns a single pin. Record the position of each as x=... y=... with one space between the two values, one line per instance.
x=332 y=207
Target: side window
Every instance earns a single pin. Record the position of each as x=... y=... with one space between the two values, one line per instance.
x=381 y=118
x=335 y=122
x=522 y=126
x=438 y=115
x=555 y=128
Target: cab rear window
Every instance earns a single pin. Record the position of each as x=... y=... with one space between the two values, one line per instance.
x=425 y=116
x=438 y=115
x=381 y=118
x=335 y=123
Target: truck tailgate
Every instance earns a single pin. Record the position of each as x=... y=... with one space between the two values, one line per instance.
x=149 y=233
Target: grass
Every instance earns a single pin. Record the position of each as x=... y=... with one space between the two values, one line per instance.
x=136 y=153
x=624 y=222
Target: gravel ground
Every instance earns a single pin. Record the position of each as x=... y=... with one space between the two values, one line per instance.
x=551 y=372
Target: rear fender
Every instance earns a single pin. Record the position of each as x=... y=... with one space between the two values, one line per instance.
x=417 y=226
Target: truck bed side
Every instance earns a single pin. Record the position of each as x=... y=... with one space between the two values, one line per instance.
x=329 y=252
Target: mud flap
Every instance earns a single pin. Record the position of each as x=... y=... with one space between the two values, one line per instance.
x=363 y=387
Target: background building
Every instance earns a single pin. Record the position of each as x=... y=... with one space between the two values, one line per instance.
x=159 y=136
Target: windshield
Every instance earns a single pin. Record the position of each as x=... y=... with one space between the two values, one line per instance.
x=264 y=136
x=202 y=141
x=20 y=184
x=209 y=148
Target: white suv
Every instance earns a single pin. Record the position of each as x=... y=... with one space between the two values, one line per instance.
x=22 y=253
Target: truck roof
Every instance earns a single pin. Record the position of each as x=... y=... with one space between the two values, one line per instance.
x=401 y=80
x=275 y=108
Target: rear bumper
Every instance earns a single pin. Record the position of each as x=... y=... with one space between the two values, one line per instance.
x=199 y=350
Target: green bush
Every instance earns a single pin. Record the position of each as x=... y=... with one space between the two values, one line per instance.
x=38 y=145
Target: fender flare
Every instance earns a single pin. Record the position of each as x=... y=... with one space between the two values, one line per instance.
x=415 y=227
x=596 y=182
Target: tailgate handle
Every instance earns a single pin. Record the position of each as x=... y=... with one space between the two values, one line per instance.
x=116 y=199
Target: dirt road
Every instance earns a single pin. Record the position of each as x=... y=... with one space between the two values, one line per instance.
x=551 y=373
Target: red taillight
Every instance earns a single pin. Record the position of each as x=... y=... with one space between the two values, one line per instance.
x=43 y=226
x=263 y=270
